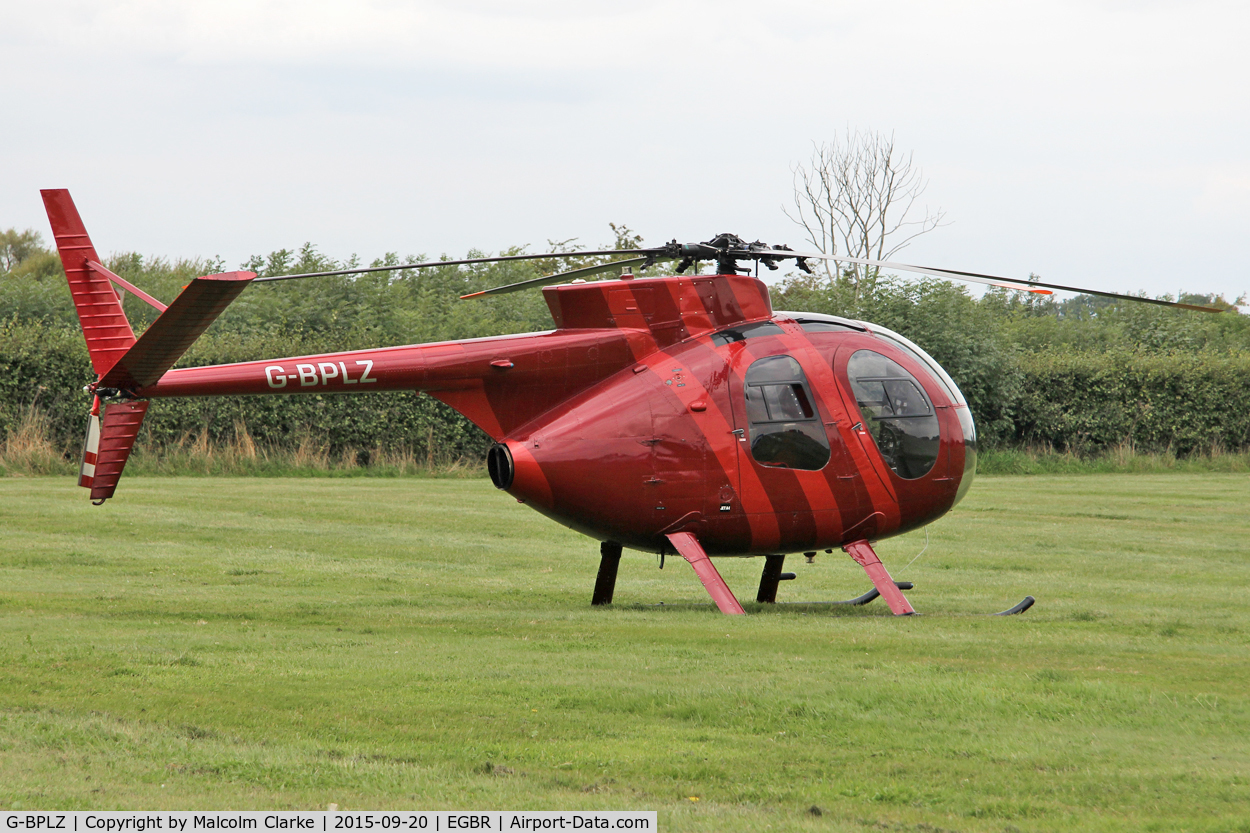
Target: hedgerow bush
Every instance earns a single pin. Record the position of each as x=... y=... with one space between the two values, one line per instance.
x=1087 y=401
x=1077 y=377
x=1082 y=402
x=46 y=367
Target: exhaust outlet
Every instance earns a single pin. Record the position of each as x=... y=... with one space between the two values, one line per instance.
x=500 y=466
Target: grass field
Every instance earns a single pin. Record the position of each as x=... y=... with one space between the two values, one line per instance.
x=421 y=643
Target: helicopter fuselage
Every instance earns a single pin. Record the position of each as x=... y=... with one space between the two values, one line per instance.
x=682 y=404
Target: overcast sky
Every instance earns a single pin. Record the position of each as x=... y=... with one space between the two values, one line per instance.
x=1104 y=144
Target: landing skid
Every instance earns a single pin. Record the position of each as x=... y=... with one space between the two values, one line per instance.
x=872 y=595
x=1025 y=604
x=688 y=546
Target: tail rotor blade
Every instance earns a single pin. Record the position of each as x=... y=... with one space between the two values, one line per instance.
x=90 y=447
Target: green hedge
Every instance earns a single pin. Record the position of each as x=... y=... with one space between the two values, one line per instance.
x=1080 y=402
x=48 y=367
x=1086 y=402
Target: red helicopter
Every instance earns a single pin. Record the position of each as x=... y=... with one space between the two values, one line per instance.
x=672 y=415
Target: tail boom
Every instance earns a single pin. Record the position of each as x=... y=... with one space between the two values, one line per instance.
x=498 y=383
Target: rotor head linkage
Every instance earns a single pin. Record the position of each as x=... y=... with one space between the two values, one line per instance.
x=727 y=249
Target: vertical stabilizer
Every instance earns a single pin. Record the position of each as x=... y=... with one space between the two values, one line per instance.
x=104 y=325
x=119 y=426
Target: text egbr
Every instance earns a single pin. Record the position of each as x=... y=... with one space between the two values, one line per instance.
x=319 y=374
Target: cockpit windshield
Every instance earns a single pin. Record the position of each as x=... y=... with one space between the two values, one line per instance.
x=897 y=412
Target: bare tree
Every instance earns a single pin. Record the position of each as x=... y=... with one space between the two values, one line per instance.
x=856 y=197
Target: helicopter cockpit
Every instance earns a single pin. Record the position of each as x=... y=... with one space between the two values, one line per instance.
x=896 y=410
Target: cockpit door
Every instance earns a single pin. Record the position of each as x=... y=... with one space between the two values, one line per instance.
x=859 y=427
x=897 y=420
x=783 y=452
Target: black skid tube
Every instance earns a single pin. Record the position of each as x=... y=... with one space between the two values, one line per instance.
x=873 y=594
x=1025 y=604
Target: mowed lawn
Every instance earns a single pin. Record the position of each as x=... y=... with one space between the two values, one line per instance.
x=419 y=643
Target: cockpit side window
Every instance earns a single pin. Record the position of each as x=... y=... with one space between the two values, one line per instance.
x=785 y=427
x=897 y=411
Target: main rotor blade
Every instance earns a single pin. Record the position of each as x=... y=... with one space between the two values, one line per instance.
x=976 y=277
x=558 y=277
x=463 y=262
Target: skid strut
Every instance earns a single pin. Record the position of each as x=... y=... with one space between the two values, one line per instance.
x=771 y=577
x=605 y=581
x=690 y=549
x=863 y=554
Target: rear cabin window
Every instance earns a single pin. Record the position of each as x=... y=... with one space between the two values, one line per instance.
x=897 y=412
x=785 y=427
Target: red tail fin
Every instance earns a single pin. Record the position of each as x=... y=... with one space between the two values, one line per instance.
x=104 y=325
x=111 y=433
x=119 y=360
x=119 y=426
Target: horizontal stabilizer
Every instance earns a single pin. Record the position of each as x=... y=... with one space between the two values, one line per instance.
x=175 y=330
